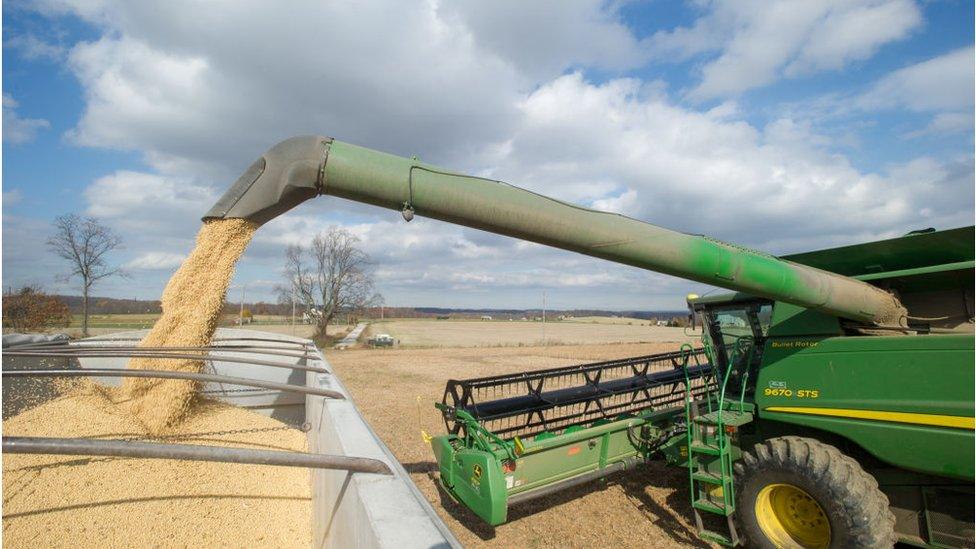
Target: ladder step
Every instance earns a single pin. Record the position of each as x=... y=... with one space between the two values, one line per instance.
x=705 y=505
x=730 y=418
x=703 y=476
x=716 y=537
x=708 y=449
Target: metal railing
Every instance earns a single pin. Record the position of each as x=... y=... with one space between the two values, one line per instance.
x=101 y=348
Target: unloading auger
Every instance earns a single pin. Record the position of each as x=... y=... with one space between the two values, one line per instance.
x=302 y=168
x=830 y=405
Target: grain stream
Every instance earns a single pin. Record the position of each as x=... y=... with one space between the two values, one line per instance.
x=191 y=303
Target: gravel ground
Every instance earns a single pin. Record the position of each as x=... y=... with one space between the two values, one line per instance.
x=646 y=508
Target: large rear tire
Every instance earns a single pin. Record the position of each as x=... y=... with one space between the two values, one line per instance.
x=794 y=492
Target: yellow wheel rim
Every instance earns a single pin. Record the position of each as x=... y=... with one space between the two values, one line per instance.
x=790 y=518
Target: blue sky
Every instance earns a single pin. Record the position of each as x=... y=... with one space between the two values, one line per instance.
x=784 y=126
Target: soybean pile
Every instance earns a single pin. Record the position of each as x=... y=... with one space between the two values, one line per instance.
x=79 y=501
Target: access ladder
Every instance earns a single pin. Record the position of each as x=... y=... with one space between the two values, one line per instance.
x=710 y=450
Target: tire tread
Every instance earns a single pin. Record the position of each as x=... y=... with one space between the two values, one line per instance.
x=864 y=518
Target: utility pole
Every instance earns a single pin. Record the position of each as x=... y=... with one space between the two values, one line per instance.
x=543 y=317
x=241 y=320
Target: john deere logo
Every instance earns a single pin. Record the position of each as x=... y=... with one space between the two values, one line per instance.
x=477 y=471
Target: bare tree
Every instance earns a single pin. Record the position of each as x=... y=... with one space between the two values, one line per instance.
x=300 y=285
x=84 y=243
x=329 y=277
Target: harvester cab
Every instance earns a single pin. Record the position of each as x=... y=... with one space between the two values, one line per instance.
x=829 y=404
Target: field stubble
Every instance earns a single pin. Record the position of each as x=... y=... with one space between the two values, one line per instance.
x=420 y=333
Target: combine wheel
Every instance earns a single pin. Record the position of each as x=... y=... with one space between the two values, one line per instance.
x=794 y=492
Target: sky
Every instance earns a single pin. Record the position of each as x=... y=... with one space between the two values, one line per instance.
x=782 y=125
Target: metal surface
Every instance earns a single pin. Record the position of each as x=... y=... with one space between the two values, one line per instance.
x=286 y=175
x=907 y=400
x=301 y=168
x=483 y=474
x=549 y=489
x=895 y=254
x=244 y=349
x=110 y=353
x=166 y=374
x=282 y=344
x=190 y=452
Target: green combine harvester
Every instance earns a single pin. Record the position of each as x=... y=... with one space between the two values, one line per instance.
x=830 y=403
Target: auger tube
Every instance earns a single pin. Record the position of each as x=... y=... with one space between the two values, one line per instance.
x=301 y=168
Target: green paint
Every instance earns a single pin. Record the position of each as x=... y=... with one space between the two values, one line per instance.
x=922 y=375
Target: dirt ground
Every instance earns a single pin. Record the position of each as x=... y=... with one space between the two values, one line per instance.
x=475 y=333
x=395 y=390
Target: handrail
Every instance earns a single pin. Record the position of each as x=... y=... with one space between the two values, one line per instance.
x=168 y=374
x=81 y=347
x=728 y=496
x=110 y=353
x=189 y=452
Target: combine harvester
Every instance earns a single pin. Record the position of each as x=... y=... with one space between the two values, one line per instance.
x=830 y=405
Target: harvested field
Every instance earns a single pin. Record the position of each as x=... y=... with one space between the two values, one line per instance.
x=475 y=333
x=645 y=508
x=306 y=331
x=611 y=320
x=72 y=501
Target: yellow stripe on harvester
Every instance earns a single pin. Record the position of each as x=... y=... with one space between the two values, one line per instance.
x=957 y=422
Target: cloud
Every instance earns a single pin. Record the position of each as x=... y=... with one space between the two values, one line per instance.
x=203 y=92
x=692 y=171
x=938 y=90
x=142 y=203
x=946 y=123
x=18 y=130
x=25 y=256
x=33 y=48
x=469 y=87
x=13 y=196
x=155 y=260
x=541 y=39
x=941 y=83
x=760 y=42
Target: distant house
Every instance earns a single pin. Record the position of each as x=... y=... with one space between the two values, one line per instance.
x=661 y=323
x=485 y=317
